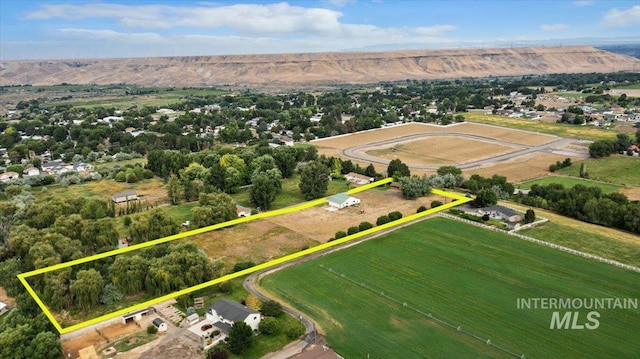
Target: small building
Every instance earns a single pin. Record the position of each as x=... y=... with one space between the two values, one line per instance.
x=31 y=171
x=125 y=196
x=8 y=176
x=160 y=324
x=243 y=211
x=224 y=312
x=193 y=318
x=358 y=179
x=137 y=315
x=342 y=200
x=3 y=308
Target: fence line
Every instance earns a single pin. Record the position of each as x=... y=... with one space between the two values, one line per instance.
x=425 y=314
x=547 y=244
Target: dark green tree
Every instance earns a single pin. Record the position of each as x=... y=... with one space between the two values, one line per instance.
x=414 y=186
x=530 y=216
x=314 y=180
x=485 y=197
x=264 y=190
x=271 y=308
x=397 y=169
x=240 y=337
x=269 y=325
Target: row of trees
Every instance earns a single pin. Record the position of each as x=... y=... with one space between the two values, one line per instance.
x=604 y=148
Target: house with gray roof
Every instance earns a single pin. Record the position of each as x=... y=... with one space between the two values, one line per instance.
x=224 y=312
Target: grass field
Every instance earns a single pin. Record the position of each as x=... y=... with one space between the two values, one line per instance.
x=466 y=276
x=569 y=182
x=618 y=169
x=552 y=128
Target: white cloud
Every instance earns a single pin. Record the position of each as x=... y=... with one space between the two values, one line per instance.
x=110 y=35
x=554 y=27
x=622 y=18
x=582 y=3
x=434 y=30
x=340 y=3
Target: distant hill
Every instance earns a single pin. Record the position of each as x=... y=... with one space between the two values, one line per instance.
x=627 y=49
x=312 y=69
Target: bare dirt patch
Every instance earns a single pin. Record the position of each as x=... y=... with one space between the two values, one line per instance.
x=6 y=298
x=74 y=345
x=119 y=330
x=441 y=150
x=633 y=193
x=520 y=168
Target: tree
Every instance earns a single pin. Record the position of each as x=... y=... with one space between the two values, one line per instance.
x=269 y=325
x=530 y=216
x=583 y=170
x=264 y=190
x=435 y=204
x=45 y=345
x=382 y=220
x=110 y=294
x=601 y=148
x=623 y=141
x=485 y=197
x=414 y=186
x=271 y=308
x=174 y=189
x=314 y=180
x=240 y=337
x=218 y=353
x=397 y=169
x=152 y=329
x=86 y=288
x=370 y=171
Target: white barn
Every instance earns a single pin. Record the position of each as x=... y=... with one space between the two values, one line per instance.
x=160 y=324
x=342 y=200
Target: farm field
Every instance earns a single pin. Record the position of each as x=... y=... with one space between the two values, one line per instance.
x=152 y=190
x=569 y=182
x=450 y=150
x=520 y=168
x=552 y=128
x=618 y=169
x=466 y=276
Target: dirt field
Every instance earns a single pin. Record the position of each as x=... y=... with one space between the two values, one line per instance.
x=117 y=331
x=74 y=345
x=6 y=299
x=441 y=150
x=520 y=168
x=633 y=193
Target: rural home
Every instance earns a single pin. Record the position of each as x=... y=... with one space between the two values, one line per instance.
x=342 y=200
x=125 y=196
x=32 y=171
x=501 y=212
x=358 y=179
x=3 y=308
x=206 y=334
x=160 y=324
x=224 y=312
x=8 y=176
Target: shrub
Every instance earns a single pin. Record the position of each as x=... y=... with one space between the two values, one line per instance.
x=435 y=204
x=295 y=331
x=243 y=265
x=225 y=287
x=364 y=226
x=352 y=230
x=421 y=209
x=151 y=329
x=269 y=325
x=127 y=221
x=340 y=234
x=271 y=308
x=382 y=220
x=395 y=215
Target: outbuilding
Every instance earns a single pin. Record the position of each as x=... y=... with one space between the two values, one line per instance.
x=160 y=324
x=3 y=308
x=125 y=196
x=342 y=200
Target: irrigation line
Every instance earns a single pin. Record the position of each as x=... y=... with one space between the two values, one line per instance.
x=427 y=315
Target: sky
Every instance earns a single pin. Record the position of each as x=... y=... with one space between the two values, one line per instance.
x=69 y=29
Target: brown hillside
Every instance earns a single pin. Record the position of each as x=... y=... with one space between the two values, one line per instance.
x=295 y=70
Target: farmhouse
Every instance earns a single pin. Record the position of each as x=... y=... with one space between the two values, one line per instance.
x=8 y=176
x=501 y=212
x=125 y=196
x=358 y=179
x=3 y=308
x=342 y=200
x=32 y=171
x=224 y=312
x=160 y=324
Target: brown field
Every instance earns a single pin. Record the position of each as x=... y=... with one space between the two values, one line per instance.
x=442 y=150
x=74 y=345
x=5 y=298
x=119 y=330
x=152 y=190
x=633 y=193
x=265 y=239
x=520 y=168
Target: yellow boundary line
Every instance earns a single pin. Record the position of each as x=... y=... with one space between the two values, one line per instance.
x=23 y=276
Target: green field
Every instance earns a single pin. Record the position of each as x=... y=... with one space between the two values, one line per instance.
x=618 y=169
x=628 y=87
x=467 y=276
x=552 y=128
x=569 y=182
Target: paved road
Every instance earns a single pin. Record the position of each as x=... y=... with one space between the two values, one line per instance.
x=311 y=334
x=556 y=146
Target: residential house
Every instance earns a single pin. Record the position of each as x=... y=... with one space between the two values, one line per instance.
x=125 y=196
x=224 y=312
x=31 y=171
x=342 y=200
x=160 y=324
x=3 y=308
x=8 y=176
x=358 y=179
x=501 y=212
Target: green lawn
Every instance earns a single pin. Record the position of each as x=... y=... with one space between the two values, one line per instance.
x=467 y=276
x=618 y=169
x=569 y=182
x=628 y=87
x=624 y=251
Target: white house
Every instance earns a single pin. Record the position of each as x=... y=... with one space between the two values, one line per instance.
x=31 y=171
x=3 y=308
x=342 y=200
x=224 y=312
x=357 y=178
x=160 y=324
x=8 y=176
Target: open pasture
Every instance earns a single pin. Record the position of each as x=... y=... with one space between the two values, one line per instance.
x=569 y=182
x=466 y=276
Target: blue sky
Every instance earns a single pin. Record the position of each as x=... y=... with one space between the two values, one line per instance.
x=90 y=29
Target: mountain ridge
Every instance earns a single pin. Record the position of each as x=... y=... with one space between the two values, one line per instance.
x=307 y=69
